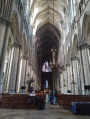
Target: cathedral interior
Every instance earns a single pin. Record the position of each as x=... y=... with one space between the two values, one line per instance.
x=45 y=45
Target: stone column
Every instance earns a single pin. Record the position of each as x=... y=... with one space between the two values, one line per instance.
x=2 y=33
x=63 y=89
x=61 y=81
x=85 y=62
x=76 y=81
x=7 y=80
x=58 y=80
x=71 y=72
x=22 y=73
x=5 y=15
x=25 y=78
x=33 y=84
x=68 y=77
x=14 y=68
x=8 y=62
x=28 y=76
x=65 y=81
x=54 y=78
x=4 y=36
x=32 y=76
x=33 y=52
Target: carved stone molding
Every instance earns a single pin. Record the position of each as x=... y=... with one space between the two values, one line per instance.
x=24 y=57
x=29 y=63
x=60 y=71
x=5 y=21
x=62 y=68
x=33 y=68
x=83 y=46
x=15 y=44
x=75 y=58
x=68 y=64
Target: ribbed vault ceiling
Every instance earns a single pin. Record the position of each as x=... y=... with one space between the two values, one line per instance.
x=47 y=20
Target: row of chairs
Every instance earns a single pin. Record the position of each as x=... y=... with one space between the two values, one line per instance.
x=65 y=101
x=21 y=101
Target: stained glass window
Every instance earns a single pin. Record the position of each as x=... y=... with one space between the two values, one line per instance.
x=46 y=83
x=46 y=67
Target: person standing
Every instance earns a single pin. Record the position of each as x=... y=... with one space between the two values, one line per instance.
x=55 y=96
x=51 y=97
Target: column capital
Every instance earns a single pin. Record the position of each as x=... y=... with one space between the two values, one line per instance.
x=75 y=58
x=33 y=68
x=15 y=44
x=62 y=68
x=68 y=64
x=5 y=21
x=29 y=63
x=83 y=46
x=60 y=71
x=24 y=57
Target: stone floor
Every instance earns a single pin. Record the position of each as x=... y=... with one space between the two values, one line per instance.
x=50 y=112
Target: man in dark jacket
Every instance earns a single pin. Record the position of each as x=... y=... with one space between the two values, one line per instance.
x=55 y=96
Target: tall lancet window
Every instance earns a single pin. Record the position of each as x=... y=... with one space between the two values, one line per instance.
x=46 y=83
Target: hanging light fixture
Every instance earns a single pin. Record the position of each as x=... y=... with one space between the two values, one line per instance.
x=53 y=63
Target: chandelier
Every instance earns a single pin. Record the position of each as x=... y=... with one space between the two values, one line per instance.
x=53 y=63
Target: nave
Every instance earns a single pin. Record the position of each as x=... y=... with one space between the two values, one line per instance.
x=45 y=41
x=44 y=45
